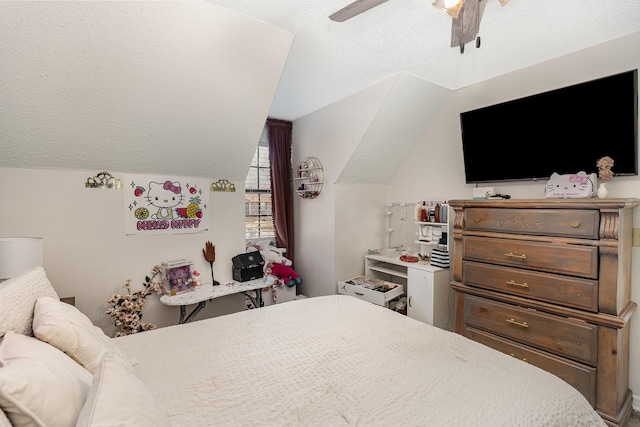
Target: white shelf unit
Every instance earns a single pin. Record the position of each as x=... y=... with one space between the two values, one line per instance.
x=424 y=247
x=425 y=286
x=309 y=178
x=430 y=231
x=391 y=270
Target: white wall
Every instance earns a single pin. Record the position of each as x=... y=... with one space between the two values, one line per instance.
x=87 y=254
x=331 y=135
x=360 y=208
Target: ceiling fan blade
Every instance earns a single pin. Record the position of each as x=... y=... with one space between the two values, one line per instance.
x=355 y=8
x=466 y=27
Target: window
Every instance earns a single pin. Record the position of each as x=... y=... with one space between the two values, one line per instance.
x=257 y=188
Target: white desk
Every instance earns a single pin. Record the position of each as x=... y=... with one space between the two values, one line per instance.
x=207 y=292
x=426 y=286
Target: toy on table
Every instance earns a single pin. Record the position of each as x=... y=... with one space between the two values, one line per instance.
x=177 y=277
x=270 y=252
x=286 y=273
x=278 y=275
x=277 y=267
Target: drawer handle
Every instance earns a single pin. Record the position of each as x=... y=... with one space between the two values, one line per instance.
x=522 y=285
x=513 y=322
x=575 y=223
x=358 y=293
x=512 y=255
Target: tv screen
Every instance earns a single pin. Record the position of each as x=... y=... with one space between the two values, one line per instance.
x=565 y=131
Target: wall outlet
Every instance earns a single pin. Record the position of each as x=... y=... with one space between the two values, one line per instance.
x=636 y=236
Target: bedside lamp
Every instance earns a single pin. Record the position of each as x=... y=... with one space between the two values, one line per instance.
x=19 y=254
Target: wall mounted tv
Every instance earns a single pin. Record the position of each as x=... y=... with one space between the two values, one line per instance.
x=564 y=130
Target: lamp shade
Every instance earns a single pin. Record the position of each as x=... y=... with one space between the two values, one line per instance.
x=450 y=7
x=19 y=254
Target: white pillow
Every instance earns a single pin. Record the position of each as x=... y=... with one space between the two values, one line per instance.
x=119 y=398
x=69 y=330
x=18 y=296
x=39 y=384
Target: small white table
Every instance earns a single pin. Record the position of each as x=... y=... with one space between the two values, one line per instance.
x=207 y=292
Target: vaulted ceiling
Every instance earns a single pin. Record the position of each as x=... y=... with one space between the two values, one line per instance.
x=330 y=60
x=184 y=87
x=180 y=87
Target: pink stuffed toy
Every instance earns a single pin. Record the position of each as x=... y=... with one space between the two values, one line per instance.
x=289 y=276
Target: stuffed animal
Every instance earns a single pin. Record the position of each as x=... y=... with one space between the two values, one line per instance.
x=271 y=282
x=269 y=252
x=570 y=186
x=180 y=278
x=274 y=256
x=286 y=273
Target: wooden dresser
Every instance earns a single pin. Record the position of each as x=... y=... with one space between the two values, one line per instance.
x=549 y=281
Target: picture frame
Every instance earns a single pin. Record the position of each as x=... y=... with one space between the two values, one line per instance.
x=177 y=276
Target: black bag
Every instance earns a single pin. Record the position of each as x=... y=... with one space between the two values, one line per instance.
x=248 y=266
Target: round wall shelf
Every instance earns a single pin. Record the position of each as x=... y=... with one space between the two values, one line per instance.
x=309 y=178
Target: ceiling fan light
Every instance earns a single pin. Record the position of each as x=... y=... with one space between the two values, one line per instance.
x=503 y=2
x=450 y=7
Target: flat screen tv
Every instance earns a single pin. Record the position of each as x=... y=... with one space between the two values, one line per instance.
x=564 y=130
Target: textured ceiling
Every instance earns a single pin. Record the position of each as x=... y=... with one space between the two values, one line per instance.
x=331 y=60
x=180 y=87
x=185 y=86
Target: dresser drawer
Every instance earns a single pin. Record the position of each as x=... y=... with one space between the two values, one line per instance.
x=574 y=260
x=581 y=377
x=374 y=291
x=579 y=223
x=574 y=339
x=565 y=290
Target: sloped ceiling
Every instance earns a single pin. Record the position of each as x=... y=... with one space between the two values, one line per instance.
x=184 y=87
x=331 y=60
x=146 y=87
x=404 y=115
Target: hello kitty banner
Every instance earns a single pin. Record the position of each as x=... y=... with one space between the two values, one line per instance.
x=165 y=204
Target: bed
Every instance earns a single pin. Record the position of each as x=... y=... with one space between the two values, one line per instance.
x=323 y=361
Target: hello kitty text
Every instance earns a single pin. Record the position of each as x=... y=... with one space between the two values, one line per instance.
x=175 y=224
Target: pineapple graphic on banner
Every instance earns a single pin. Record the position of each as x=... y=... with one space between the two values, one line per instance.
x=165 y=204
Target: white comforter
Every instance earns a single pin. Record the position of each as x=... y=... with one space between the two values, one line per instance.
x=337 y=361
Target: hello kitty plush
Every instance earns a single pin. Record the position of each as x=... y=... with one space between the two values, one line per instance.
x=570 y=186
x=180 y=278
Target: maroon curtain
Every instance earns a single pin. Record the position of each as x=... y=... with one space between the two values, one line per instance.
x=280 y=136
